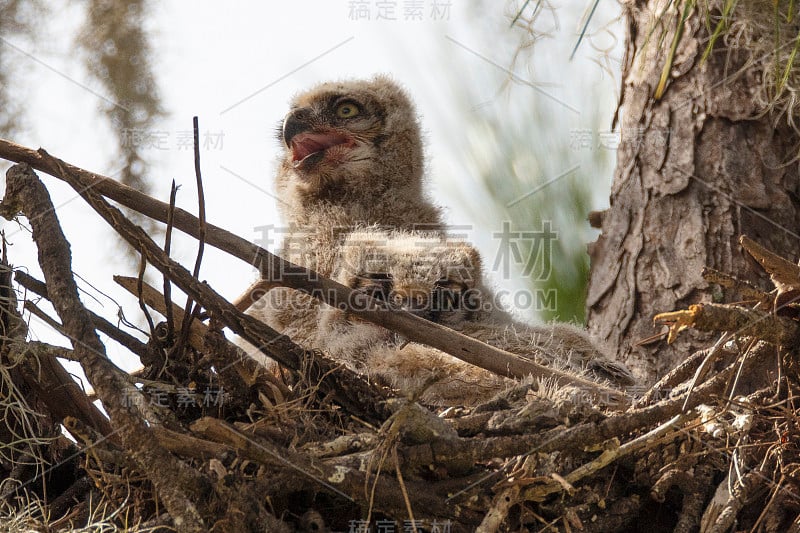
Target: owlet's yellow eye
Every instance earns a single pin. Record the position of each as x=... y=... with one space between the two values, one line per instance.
x=346 y=110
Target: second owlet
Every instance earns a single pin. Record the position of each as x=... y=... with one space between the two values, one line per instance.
x=425 y=274
x=441 y=280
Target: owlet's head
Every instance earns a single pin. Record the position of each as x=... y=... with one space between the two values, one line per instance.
x=351 y=137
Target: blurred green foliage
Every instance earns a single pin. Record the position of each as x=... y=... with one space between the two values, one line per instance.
x=534 y=176
x=540 y=152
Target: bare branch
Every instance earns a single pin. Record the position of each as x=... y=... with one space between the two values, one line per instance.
x=24 y=192
x=288 y=274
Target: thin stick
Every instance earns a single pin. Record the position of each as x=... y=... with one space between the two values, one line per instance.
x=173 y=193
x=36 y=311
x=201 y=201
x=139 y=283
x=403 y=490
x=193 y=311
x=152 y=298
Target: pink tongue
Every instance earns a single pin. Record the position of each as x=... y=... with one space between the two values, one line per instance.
x=305 y=144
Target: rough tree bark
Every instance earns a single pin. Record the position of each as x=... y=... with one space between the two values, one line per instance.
x=695 y=169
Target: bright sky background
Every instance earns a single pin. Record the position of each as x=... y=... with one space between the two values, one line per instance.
x=236 y=66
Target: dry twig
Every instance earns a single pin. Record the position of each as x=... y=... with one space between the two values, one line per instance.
x=25 y=193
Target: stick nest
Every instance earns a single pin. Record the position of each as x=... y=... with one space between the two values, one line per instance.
x=203 y=439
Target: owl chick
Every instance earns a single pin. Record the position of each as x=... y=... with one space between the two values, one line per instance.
x=424 y=274
x=415 y=271
x=420 y=272
x=441 y=281
x=352 y=158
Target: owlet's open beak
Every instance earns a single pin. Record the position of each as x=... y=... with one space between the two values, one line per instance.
x=307 y=144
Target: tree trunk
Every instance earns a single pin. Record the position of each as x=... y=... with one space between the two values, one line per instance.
x=695 y=169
